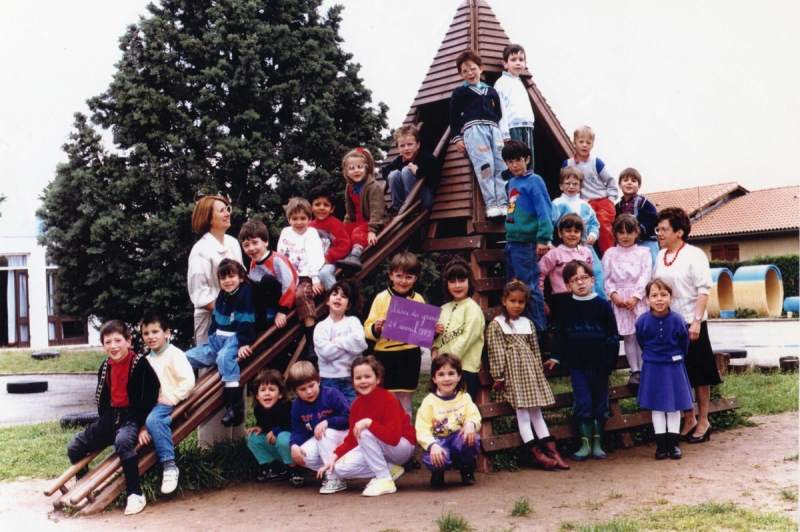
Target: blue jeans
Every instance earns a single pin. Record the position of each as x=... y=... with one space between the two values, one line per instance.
x=524 y=134
x=522 y=263
x=484 y=144
x=327 y=276
x=473 y=383
x=220 y=351
x=266 y=452
x=597 y=273
x=590 y=391
x=401 y=182
x=159 y=426
x=344 y=385
x=652 y=245
x=455 y=450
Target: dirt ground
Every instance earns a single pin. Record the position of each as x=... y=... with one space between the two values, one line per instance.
x=746 y=466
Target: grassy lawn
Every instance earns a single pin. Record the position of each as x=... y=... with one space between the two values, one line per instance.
x=70 y=361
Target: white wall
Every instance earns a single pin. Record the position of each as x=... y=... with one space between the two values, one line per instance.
x=37 y=283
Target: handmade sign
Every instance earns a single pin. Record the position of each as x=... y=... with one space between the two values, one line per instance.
x=411 y=322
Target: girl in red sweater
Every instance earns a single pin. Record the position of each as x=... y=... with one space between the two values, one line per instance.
x=380 y=438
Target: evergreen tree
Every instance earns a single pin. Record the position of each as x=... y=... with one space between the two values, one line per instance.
x=253 y=99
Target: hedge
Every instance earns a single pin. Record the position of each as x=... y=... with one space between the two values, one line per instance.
x=787 y=264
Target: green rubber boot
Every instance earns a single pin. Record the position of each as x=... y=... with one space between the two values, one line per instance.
x=585 y=430
x=597 y=451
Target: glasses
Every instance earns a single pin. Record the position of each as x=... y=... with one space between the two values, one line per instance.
x=580 y=279
x=665 y=230
x=226 y=208
x=356 y=167
x=470 y=69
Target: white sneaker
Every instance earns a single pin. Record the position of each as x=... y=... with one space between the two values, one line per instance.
x=136 y=504
x=397 y=472
x=493 y=212
x=379 y=486
x=504 y=210
x=332 y=485
x=169 y=481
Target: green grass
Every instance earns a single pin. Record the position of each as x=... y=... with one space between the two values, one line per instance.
x=453 y=522
x=615 y=495
x=71 y=361
x=705 y=517
x=38 y=451
x=521 y=508
x=761 y=393
x=789 y=494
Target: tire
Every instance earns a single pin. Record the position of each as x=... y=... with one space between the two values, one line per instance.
x=734 y=353
x=44 y=355
x=81 y=419
x=26 y=387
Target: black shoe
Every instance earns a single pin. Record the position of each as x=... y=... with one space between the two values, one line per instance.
x=468 y=474
x=673 y=449
x=296 y=478
x=411 y=464
x=437 y=479
x=234 y=414
x=661 y=449
x=391 y=212
x=701 y=439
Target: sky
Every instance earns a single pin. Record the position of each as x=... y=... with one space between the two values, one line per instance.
x=688 y=92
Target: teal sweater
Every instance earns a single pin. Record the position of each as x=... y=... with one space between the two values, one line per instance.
x=529 y=210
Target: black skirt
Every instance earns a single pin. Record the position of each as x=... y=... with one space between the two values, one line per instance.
x=401 y=369
x=700 y=363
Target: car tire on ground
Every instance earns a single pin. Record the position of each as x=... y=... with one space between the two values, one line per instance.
x=734 y=353
x=26 y=387
x=44 y=355
x=81 y=419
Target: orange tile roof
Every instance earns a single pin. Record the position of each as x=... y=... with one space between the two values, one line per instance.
x=692 y=200
x=771 y=209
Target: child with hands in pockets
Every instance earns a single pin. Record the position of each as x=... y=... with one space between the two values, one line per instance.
x=448 y=422
x=380 y=438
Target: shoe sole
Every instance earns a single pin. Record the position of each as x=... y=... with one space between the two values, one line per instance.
x=137 y=511
x=328 y=491
x=385 y=492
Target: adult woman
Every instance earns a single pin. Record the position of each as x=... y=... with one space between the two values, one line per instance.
x=210 y=220
x=686 y=268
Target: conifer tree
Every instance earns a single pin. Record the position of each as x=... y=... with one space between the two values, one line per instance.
x=253 y=99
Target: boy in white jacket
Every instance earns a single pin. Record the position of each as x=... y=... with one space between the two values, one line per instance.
x=517 y=120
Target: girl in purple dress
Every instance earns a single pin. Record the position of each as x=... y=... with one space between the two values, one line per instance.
x=664 y=389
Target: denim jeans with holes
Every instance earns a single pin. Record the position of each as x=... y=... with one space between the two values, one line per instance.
x=484 y=144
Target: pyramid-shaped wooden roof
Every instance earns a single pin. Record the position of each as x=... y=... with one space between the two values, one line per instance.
x=475 y=27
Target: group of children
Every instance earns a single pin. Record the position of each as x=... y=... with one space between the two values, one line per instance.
x=352 y=416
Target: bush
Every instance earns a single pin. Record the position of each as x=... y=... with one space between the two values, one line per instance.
x=787 y=264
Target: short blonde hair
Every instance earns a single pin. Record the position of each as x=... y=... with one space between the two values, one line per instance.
x=583 y=130
x=301 y=373
x=359 y=153
x=203 y=212
x=406 y=130
x=296 y=205
x=570 y=171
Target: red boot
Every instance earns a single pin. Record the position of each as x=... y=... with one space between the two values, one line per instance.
x=550 y=450
x=543 y=460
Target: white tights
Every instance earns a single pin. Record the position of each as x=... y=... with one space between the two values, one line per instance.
x=666 y=421
x=531 y=416
x=633 y=352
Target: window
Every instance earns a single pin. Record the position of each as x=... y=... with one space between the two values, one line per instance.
x=725 y=252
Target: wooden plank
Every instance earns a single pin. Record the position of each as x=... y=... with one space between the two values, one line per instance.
x=446 y=215
x=616 y=412
x=491 y=313
x=453 y=205
x=488 y=255
x=489 y=285
x=453 y=244
x=493 y=226
x=463 y=194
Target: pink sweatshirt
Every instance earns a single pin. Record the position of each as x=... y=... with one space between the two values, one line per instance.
x=553 y=263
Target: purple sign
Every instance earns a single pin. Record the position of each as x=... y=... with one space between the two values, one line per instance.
x=411 y=322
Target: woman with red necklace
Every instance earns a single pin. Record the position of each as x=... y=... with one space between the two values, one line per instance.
x=686 y=268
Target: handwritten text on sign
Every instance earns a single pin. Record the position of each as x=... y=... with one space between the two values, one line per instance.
x=411 y=322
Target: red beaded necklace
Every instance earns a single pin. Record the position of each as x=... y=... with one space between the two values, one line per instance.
x=670 y=263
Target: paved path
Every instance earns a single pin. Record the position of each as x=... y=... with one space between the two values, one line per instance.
x=66 y=394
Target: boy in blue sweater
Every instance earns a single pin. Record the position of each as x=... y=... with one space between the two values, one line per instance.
x=586 y=338
x=320 y=420
x=528 y=227
x=474 y=128
x=229 y=336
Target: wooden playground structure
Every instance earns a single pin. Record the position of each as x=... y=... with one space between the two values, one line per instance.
x=455 y=223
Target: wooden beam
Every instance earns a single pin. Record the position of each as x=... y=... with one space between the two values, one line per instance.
x=453 y=244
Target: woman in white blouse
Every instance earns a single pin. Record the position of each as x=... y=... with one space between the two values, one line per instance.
x=686 y=268
x=210 y=220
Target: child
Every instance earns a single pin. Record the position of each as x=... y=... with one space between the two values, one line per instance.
x=127 y=390
x=665 y=389
x=339 y=338
x=586 y=338
x=319 y=420
x=640 y=207
x=461 y=323
x=273 y=276
x=475 y=114
x=408 y=167
x=335 y=240
x=229 y=336
x=380 y=438
x=177 y=380
x=528 y=227
x=571 y=184
x=302 y=246
x=268 y=440
x=516 y=367
x=599 y=188
x=570 y=232
x=366 y=208
x=400 y=361
x=627 y=269
x=448 y=422
x=517 y=120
